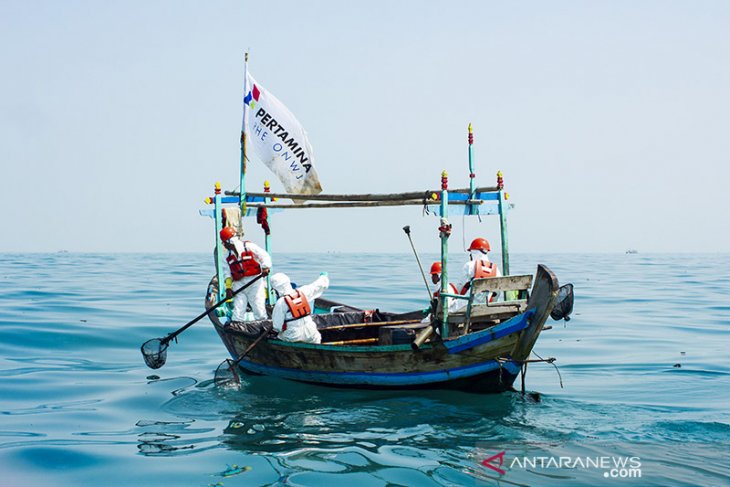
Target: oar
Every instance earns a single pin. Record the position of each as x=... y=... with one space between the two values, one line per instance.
x=154 y=351
x=226 y=371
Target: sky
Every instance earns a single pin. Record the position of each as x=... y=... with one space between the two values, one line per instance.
x=609 y=120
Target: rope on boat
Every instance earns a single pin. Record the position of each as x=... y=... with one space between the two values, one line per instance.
x=551 y=361
x=523 y=367
x=426 y=211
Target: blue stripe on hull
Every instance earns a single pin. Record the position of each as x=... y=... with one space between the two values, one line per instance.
x=394 y=379
x=518 y=323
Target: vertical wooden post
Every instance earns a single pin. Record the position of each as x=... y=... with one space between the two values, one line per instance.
x=472 y=194
x=445 y=231
x=503 y=223
x=267 y=245
x=218 y=211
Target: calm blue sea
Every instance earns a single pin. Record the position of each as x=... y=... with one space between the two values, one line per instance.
x=645 y=368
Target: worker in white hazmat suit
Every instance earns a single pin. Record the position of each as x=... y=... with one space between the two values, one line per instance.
x=452 y=303
x=246 y=261
x=291 y=317
x=478 y=266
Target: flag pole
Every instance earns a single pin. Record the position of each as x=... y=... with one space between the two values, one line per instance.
x=243 y=141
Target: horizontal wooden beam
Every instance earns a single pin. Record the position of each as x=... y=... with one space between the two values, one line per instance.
x=492 y=312
x=420 y=195
x=355 y=204
x=379 y=323
x=505 y=283
x=485 y=311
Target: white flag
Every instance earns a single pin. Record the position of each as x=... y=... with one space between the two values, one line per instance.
x=277 y=138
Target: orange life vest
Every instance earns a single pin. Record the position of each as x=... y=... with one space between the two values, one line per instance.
x=482 y=269
x=298 y=306
x=243 y=266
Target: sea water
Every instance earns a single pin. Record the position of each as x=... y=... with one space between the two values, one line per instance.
x=640 y=395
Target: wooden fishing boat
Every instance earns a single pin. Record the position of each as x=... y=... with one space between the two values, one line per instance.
x=483 y=347
x=484 y=352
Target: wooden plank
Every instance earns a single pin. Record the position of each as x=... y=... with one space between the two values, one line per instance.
x=487 y=310
x=498 y=311
x=360 y=325
x=507 y=283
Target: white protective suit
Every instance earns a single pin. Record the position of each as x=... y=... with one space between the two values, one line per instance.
x=255 y=294
x=468 y=271
x=452 y=304
x=304 y=329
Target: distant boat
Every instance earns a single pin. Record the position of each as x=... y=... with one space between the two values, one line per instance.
x=632 y=251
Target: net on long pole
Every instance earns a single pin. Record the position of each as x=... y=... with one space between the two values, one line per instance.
x=563 y=303
x=227 y=374
x=154 y=352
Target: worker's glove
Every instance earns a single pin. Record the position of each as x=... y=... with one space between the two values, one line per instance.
x=229 y=293
x=265 y=271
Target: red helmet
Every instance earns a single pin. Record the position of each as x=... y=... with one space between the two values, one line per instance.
x=436 y=268
x=480 y=244
x=227 y=233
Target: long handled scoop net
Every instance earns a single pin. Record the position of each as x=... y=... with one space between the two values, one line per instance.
x=227 y=374
x=563 y=303
x=154 y=352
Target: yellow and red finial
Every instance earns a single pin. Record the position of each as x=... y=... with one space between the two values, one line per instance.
x=217 y=187
x=267 y=187
x=500 y=180
x=471 y=135
x=444 y=180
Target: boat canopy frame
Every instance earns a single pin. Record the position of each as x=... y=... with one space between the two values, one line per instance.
x=472 y=201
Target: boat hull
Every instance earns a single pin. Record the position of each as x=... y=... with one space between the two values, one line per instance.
x=495 y=378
